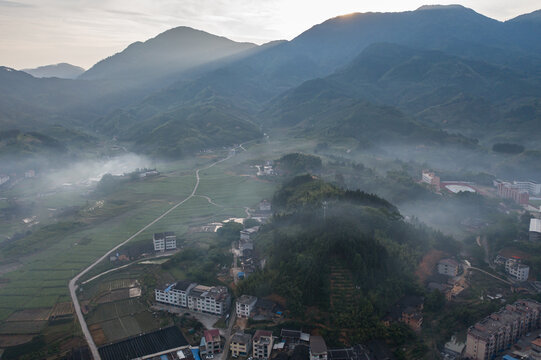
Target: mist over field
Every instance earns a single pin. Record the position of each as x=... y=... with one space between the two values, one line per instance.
x=373 y=184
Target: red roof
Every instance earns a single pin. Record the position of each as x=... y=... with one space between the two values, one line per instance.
x=212 y=335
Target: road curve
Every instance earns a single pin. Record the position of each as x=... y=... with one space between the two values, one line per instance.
x=73 y=282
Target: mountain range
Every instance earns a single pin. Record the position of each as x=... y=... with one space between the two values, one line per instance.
x=61 y=71
x=438 y=74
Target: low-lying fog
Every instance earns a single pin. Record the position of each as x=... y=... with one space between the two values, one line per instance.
x=91 y=171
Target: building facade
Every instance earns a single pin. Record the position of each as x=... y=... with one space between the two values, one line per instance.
x=535 y=230
x=212 y=300
x=529 y=186
x=262 y=344
x=430 y=178
x=245 y=305
x=164 y=241
x=175 y=294
x=448 y=267
x=516 y=270
x=212 y=341
x=502 y=329
x=240 y=345
x=510 y=191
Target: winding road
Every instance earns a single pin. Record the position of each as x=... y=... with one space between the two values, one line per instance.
x=73 y=282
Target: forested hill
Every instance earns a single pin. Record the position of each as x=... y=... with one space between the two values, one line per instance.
x=319 y=230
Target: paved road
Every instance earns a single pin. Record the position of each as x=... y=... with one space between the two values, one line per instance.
x=73 y=282
x=227 y=334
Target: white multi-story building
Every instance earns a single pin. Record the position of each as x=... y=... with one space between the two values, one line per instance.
x=245 y=305
x=262 y=344
x=213 y=300
x=247 y=233
x=531 y=187
x=448 y=267
x=164 y=241
x=517 y=270
x=175 y=294
x=535 y=229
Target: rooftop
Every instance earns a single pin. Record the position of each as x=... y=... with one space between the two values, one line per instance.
x=143 y=345
x=262 y=333
x=241 y=338
x=317 y=345
x=212 y=335
x=449 y=262
x=246 y=299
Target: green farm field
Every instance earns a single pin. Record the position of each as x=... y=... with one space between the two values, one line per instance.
x=59 y=253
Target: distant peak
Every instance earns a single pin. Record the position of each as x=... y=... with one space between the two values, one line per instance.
x=441 y=7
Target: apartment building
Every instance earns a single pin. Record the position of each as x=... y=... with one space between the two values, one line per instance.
x=448 y=267
x=262 y=344
x=240 y=344
x=502 y=329
x=513 y=192
x=175 y=294
x=164 y=241
x=213 y=300
x=430 y=178
x=531 y=187
x=245 y=305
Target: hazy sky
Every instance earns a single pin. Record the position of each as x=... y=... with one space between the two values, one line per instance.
x=82 y=32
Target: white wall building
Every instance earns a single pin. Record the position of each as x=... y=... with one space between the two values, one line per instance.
x=213 y=300
x=245 y=305
x=517 y=270
x=175 y=294
x=448 y=267
x=164 y=241
x=531 y=187
x=535 y=229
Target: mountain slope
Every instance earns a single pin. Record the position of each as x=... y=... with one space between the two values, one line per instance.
x=61 y=71
x=172 y=51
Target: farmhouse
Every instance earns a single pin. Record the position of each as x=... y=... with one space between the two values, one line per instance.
x=245 y=305
x=164 y=241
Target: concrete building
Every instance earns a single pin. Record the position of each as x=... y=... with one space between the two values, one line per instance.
x=175 y=294
x=535 y=230
x=430 y=178
x=212 y=300
x=4 y=179
x=262 y=344
x=516 y=270
x=535 y=352
x=448 y=267
x=510 y=191
x=246 y=234
x=212 y=341
x=245 y=305
x=164 y=241
x=531 y=187
x=502 y=329
x=318 y=348
x=241 y=344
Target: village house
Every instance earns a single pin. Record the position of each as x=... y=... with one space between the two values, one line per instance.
x=212 y=342
x=213 y=300
x=448 y=267
x=164 y=241
x=241 y=344
x=245 y=305
x=262 y=344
